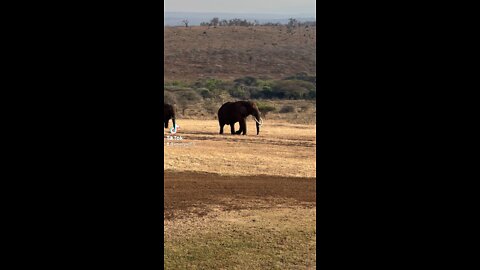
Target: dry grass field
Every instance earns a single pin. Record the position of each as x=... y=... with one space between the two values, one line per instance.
x=240 y=202
x=232 y=52
x=282 y=149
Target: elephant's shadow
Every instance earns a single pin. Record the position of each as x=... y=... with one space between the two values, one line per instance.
x=209 y=134
x=200 y=132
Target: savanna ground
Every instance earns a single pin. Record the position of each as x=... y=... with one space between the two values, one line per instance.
x=240 y=202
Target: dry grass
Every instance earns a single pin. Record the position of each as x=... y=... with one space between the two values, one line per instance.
x=234 y=52
x=281 y=238
x=282 y=149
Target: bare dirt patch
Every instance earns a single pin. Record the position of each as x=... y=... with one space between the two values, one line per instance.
x=196 y=194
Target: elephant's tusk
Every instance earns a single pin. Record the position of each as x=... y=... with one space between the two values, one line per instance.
x=259 y=123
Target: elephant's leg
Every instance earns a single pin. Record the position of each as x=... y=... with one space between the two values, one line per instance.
x=240 y=129
x=221 y=127
x=243 y=127
x=166 y=122
x=232 y=128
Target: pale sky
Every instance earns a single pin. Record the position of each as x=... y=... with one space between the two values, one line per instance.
x=242 y=6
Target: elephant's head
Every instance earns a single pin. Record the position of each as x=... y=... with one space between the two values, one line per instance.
x=252 y=109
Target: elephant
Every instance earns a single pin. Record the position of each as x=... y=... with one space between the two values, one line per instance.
x=168 y=113
x=233 y=112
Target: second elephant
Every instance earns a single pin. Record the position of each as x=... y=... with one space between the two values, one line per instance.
x=168 y=113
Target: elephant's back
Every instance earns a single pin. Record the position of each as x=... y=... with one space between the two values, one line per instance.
x=224 y=108
x=168 y=110
x=224 y=111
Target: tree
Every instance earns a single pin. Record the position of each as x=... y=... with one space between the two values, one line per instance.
x=215 y=21
x=292 y=22
x=185 y=22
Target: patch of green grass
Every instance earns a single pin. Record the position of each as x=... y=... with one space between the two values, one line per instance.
x=262 y=241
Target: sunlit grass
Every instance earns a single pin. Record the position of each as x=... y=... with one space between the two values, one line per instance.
x=281 y=149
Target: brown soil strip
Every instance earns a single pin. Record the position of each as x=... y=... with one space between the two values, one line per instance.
x=193 y=193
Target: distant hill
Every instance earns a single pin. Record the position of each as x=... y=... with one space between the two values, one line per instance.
x=230 y=53
x=176 y=18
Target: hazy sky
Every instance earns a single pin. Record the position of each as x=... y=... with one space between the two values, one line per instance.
x=242 y=6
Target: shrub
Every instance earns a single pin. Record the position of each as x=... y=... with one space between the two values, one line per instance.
x=239 y=92
x=263 y=84
x=205 y=93
x=302 y=76
x=305 y=107
x=210 y=84
x=292 y=89
x=248 y=81
x=287 y=109
x=175 y=84
x=265 y=108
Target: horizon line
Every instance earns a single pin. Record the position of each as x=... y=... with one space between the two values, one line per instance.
x=244 y=13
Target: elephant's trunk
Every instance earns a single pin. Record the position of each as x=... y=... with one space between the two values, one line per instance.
x=174 y=125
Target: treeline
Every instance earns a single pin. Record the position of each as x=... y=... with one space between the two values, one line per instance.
x=300 y=86
x=208 y=95
x=242 y=22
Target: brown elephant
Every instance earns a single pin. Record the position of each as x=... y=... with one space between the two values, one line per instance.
x=168 y=113
x=233 y=112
